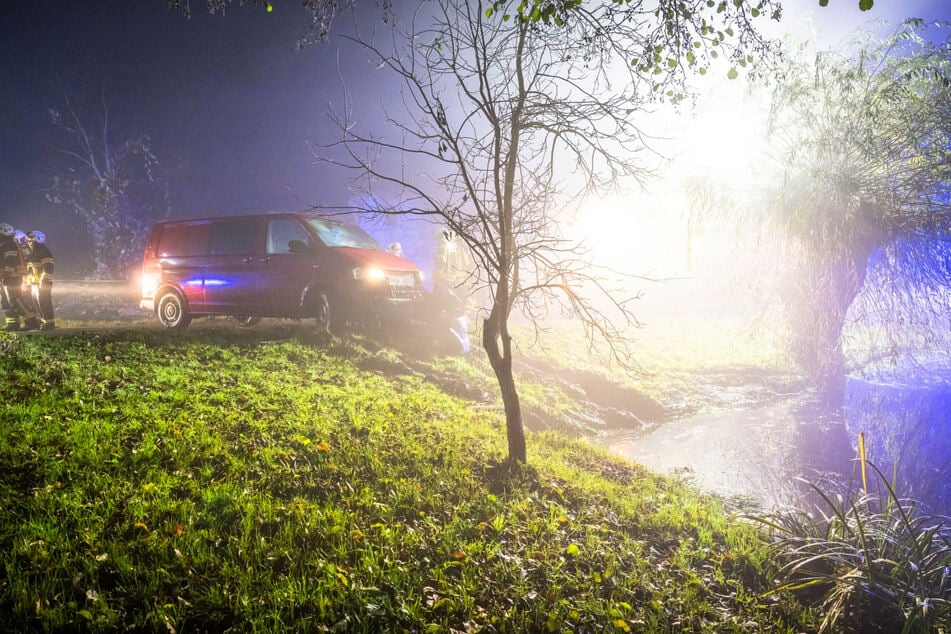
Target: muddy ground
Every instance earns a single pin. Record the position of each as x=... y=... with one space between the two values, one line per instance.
x=602 y=405
x=694 y=432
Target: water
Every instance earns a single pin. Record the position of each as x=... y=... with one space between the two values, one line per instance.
x=907 y=430
x=752 y=453
x=768 y=453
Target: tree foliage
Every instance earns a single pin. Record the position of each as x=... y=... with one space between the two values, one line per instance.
x=505 y=125
x=323 y=12
x=692 y=36
x=694 y=30
x=117 y=188
x=864 y=155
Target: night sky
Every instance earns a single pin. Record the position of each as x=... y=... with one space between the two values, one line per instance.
x=228 y=101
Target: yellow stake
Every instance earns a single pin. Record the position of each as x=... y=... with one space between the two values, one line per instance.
x=862 y=458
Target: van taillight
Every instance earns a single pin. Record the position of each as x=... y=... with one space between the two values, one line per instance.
x=149 y=284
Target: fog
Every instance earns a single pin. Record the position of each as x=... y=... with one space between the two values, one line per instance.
x=229 y=103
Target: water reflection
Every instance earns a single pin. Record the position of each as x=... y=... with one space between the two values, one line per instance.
x=906 y=428
x=764 y=453
x=757 y=453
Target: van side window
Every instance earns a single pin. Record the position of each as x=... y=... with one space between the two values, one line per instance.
x=281 y=233
x=182 y=240
x=338 y=234
x=233 y=236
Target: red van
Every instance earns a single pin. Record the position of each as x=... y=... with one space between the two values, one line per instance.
x=297 y=265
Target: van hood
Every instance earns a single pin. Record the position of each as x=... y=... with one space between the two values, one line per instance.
x=372 y=257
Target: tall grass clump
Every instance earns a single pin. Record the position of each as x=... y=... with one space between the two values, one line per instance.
x=868 y=561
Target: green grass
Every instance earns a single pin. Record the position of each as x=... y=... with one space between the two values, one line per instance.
x=260 y=480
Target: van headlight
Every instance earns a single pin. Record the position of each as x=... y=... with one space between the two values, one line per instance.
x=371 y=274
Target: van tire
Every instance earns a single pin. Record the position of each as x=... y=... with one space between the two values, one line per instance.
x=172 y=312
x=321 y=310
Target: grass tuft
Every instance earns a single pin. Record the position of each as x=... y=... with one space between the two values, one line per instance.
x=869 y=561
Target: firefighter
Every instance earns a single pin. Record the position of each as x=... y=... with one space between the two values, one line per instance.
x=21 y=241
x=449 y=301
x=40 y=273
x=11 y=277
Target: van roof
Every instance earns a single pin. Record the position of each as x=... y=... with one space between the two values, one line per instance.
x=263 y=214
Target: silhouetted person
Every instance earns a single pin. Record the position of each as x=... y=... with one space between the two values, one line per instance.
x=40 y=264
x=11 y=277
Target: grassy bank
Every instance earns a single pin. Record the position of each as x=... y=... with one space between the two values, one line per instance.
x=264 y=481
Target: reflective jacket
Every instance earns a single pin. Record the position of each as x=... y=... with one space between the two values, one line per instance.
x=14 y=268
x=40 y=264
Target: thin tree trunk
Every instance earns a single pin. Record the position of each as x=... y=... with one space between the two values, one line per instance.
x=494 y=333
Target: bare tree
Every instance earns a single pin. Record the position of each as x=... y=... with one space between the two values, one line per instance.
x=117 y=188
x=505 y=123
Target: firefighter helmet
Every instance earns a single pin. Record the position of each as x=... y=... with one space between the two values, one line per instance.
x=20 y=237
x=7 y=229
x=36 y=236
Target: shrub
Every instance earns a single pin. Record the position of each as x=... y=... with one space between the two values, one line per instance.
x=870 y=564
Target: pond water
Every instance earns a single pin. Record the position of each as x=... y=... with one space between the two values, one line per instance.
x=764 y=453
x=907 y=430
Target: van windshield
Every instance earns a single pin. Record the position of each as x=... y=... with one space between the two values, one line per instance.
x=338 y=234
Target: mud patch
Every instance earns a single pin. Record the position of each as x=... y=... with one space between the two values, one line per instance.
x=600 y=405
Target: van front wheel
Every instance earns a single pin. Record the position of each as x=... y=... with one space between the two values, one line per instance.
x=321 y=311
x=171 y=311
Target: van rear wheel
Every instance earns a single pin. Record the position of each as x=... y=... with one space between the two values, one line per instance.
x=172 y=312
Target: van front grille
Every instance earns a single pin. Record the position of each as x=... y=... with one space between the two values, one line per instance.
x=402 y=279
x=403 y=284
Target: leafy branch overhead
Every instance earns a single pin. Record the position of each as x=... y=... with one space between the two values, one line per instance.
x=692 y=34
x=693 y=48
x=864 y=5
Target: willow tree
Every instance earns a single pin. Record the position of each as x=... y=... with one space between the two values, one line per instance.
x=509 y=115
x=863 y=142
